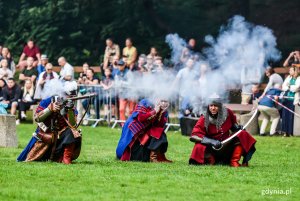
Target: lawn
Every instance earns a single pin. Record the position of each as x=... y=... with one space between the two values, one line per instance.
x=97 y=175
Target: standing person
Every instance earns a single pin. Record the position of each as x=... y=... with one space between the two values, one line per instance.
x=27 y=99
x=293 y=58
x=29 y=72
x=5 y=72
x=29 y=50
x=268 y=110
x=7 y=55
x=92 y=79
x=112 y=50
x=143 y=137
x=11 y=95
x=67 y=70
x=274 y=79
x=107 y=83
x=291 y=87
x=42 y=65
x=121 y=80
x=43 y=79
x=188 y=51
x=56 y=137
x=130 y=53
x=212 y=128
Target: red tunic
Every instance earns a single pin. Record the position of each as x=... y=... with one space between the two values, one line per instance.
x=246 y=140
x=155 y=127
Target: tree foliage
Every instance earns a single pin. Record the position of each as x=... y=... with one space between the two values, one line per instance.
x=77 y=29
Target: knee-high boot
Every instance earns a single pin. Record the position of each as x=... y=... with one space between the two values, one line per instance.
x=236 y=156
x=68 y=153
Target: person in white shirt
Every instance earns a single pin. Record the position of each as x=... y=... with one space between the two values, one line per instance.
x=67 y=71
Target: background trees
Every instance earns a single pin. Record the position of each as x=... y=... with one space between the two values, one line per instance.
x=77 y=28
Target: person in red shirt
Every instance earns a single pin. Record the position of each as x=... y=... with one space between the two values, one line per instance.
x=30 y=50
x=212 y=128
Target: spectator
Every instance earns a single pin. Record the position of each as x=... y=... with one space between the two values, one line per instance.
x=153 y=54
x=121 y=80
x=293 y=58
x=67 y=71
x=188 y=51
x=248 y=79
x=185 y=78
x=114 y=66
x=255 y=93
x=107 y=84
x=5 y=72
x=82 y=76
x=6 y=55
x=141 y=63
x=41 y=66
x=11 y=95
x=269 y=111
x=2 y=85
x=43 y=78
x=111 y=51
x=3 y=106
x=29 y=50
x=27 y=100
x=91 y=79
x=158 y=65
x=274 y=78
x=291 y=87
x=130 y=53
x=29 y=72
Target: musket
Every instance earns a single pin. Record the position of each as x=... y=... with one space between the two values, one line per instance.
x=53 y=126
x=82 y=97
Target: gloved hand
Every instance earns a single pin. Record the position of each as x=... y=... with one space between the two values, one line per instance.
x=69 y=104
x=236 y=127
x=208 y=141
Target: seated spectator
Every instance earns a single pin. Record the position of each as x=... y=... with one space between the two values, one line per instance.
x=27 y=100
x=91 y=79
x=130 y=53
x=28 y=73
x=82 y=76
x=141 y=63
x=5 y=72
x=111 y=51
x=41 y=66
x=5 y=54
x=43 y=78
x=274 y=79
x=153 y=54
x=2 y=85
x=293 y=59
x=269 y=111
x=291 y=87
x=11 y=95
x=29 y=50
x=158 y=65
x=67 y=71
x=107 y=84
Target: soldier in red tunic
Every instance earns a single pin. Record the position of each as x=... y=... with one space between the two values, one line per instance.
x=211 y=129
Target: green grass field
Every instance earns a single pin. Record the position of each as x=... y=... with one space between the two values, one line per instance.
x=97 y=175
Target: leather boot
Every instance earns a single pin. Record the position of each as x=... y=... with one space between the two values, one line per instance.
x=162 y=158
x=210 y=160
x=68 y=153
x=153 y=157
x=236 y=156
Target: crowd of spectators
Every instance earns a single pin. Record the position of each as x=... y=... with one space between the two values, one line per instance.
x=35 y=71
